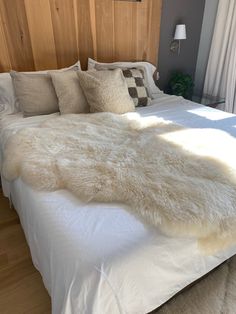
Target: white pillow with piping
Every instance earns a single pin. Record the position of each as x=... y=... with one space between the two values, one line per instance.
x=7 y=96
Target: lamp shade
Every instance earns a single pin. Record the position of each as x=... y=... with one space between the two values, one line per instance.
x=180 y=32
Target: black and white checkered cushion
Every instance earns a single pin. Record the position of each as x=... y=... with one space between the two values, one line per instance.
x=136 y=85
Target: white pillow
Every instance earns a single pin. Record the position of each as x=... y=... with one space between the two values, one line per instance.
x=7 y=96
x=8 y=102
x=149 y=68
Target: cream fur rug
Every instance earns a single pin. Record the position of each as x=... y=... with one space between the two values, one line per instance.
x=181 y=180
x=215 y=294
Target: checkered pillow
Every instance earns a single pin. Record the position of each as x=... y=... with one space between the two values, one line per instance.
x=136 y=85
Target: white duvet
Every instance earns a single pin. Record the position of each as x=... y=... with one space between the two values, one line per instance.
x=96 y=258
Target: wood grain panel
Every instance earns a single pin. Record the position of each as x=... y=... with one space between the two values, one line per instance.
x=5 y=62
x=142 y=31
x=17 y=34
x=154 y=10
x=41 y=34
x=47 y=34
x=124 y=32
x=105 y=30
x=63 y=20
x=85 y=36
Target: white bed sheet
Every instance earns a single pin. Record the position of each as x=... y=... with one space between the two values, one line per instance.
x=97 y=258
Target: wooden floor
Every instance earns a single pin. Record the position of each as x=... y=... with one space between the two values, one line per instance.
x=21 y=287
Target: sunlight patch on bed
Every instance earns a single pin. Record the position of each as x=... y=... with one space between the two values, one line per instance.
x=213 y=115
x=205 y=142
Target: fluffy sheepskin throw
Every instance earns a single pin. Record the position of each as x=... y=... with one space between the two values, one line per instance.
x=180 y=180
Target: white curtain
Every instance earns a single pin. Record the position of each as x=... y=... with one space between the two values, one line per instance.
x=220 y=77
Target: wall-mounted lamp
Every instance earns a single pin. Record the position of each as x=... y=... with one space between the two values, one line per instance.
x=180 y=34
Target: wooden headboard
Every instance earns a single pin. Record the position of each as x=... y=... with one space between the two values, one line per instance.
x=50 y=34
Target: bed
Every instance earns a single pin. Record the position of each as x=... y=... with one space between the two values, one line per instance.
x=97 y=258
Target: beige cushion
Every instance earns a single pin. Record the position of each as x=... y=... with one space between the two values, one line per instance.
x=75 y=66
x=136 y=82
x=35 y=93
x=106 y=91
x=71 y=98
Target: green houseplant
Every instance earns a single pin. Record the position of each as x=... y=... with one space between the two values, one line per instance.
x=180 y=84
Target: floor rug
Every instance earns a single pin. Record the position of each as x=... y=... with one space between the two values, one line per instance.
x=214 y=294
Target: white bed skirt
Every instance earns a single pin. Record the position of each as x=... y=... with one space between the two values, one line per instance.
x=98 y=259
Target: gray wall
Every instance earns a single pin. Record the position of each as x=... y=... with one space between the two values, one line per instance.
x=189 y=12
x=205 y=44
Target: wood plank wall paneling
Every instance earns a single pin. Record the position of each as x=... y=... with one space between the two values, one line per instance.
x=41 y=34
x=17 y=35
x=85 y=38
x=5 y=62
x=105 y=30
x=63 y=20
x=48 y=34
